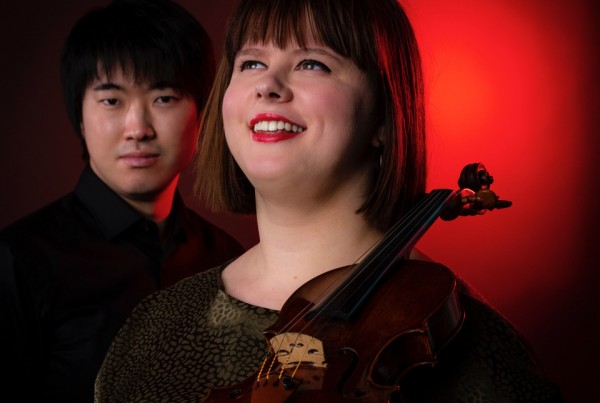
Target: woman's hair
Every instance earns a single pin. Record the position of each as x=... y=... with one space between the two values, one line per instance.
x=377 y=36
x=154 y=41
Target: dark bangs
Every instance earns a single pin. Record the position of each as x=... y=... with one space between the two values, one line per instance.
x=138 y=59
x=146 y=43
x=141 y=59
x=341 y=25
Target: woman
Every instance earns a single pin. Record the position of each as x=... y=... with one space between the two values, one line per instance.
x=316 y=124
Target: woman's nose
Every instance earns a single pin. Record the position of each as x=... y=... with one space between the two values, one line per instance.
x=273 y=87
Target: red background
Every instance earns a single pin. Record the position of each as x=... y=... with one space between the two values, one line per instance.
x=510 y=83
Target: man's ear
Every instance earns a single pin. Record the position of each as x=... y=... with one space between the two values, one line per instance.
x=82 y=129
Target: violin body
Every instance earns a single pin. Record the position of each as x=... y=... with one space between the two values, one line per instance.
x=354 y=332
x=413 y=315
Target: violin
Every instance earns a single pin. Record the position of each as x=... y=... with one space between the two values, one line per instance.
x=354 y=332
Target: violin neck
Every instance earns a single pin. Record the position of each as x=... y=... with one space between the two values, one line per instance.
x=396 y=245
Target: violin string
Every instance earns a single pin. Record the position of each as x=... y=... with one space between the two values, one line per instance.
x=298 y=316
x=425 y=208
x=262 y=367
x=412 y=220
x=292 y=323
x=416 y=221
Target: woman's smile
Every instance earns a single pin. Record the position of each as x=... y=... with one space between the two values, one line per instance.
x=270 y=128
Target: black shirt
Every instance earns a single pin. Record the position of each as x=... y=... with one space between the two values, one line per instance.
x=71 y=273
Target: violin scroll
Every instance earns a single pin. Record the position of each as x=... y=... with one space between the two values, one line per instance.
x=474 y=196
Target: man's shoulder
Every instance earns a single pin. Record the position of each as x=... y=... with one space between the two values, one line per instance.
x=195 y=221
x=49 y=219
x=200 y=227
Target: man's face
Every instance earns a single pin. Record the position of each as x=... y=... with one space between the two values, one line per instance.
x=139 y=136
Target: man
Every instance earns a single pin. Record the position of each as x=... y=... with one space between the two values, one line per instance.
x=135 y=76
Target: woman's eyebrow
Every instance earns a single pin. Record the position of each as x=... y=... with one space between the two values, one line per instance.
x=249 y=52
x=256 y=52
x=318 y=50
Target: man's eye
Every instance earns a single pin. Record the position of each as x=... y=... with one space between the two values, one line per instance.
x=251 y=65
x=313 y=65
x=110 y=101
x=165 y=99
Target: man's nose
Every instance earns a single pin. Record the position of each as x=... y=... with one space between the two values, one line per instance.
x=138 y=125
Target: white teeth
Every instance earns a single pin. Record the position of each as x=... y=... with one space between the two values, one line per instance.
x=272 y=125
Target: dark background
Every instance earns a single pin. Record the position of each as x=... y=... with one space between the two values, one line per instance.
x=510 y=83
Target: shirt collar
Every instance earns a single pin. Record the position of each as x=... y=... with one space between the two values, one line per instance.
x=111 y=212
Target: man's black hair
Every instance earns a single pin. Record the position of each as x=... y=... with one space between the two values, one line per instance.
x=150 y=40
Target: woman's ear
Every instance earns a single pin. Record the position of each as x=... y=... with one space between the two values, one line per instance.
x=378 y=139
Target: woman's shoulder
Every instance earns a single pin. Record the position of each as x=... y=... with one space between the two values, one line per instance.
x=488 y=360
x=155 y=326
x=168 y=308
x=187 y=294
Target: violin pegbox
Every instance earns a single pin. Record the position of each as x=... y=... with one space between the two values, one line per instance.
x=474 y=196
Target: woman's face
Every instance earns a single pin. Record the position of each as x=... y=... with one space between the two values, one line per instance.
x=299 y=121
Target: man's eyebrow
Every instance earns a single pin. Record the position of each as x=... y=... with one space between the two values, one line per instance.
x=107 y=86
x=161 y=85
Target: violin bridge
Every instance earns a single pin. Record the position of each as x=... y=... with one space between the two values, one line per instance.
x=293 y=349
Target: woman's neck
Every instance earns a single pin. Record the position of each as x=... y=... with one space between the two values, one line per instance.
x=318 y=242
x=296 y=246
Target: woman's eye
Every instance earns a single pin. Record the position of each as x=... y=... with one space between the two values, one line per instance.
x=313 y=65
x=251 y=65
